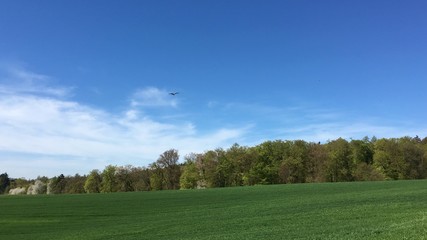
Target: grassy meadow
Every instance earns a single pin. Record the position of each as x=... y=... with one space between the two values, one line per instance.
x=356 y=210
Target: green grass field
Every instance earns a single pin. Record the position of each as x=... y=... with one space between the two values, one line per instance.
x=358 y=210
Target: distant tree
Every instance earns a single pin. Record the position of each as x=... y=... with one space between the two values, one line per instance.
x=388 y=158
x=245 y=162
x=241 y=158
x=75 y=184
x=317 y=157
x=4 y=183
x=43 y=179
x=206 y=164
x=416 y=139
x=339 y=165
x=157 y=179
x=190 y=175
x=293 y=167
x=93 y=182
x=21 y=183
x=413 y=156
x=57 y=185
x=362 y=154
x=38 y=187
x=266 y=168
x=140 y=179
x=423 y=164
x=362 y=151
x=17 y=191
x=225 y=170
x=270 y=162
x=109 y=180
x=124 y=180
x=367 y=172
x=168 y=161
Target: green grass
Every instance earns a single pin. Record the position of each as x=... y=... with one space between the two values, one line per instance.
x=359 y=210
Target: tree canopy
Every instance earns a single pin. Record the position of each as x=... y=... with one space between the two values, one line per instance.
x=271 y=162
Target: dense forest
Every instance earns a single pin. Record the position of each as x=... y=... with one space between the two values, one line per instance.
x=271 y=162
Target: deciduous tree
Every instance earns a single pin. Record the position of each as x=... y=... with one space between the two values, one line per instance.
x=317 y=157
x=339 y=165
x=190 y=175
x=168 y=161
x=293 y=167
x=157 y=179
x=124 y=180
x=57 y=185
x=109 y=181
x=93 y=182
x=75 y=184
x=388 y=159
x=4 y=183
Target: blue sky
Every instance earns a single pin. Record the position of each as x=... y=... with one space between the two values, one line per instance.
x=84 y=84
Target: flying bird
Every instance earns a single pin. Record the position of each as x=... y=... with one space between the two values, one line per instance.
x=173 y=93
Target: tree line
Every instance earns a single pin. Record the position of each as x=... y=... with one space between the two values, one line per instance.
x=271 y=162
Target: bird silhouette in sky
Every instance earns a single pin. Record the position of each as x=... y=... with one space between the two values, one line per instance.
x=173 y=93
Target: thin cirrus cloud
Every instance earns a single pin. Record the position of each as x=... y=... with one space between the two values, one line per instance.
x=307 y=122
x=152 y=97
x=17 y=80
x=49 y=135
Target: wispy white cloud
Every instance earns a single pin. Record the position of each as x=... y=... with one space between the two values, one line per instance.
x=49 y=135
x=318 y=124
x=17 y=79
x=212 y=104
x=348 y=129
x=153 y=97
